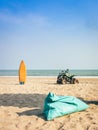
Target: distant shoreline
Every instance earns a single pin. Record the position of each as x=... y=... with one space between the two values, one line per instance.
x=53 y=76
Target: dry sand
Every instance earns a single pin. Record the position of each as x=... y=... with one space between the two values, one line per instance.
x=21 y=106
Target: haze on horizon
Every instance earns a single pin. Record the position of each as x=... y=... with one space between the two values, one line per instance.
x=49 y=34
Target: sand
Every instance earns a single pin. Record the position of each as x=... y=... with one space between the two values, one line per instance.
x=21 y=106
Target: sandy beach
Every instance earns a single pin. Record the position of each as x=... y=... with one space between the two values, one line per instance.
x=21 y=106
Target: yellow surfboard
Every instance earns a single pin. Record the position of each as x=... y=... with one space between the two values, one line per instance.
x=22 y=73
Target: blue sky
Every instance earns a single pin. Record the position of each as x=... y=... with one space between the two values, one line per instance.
x=49 y=34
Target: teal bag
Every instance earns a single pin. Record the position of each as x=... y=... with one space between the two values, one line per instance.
x=55 y=106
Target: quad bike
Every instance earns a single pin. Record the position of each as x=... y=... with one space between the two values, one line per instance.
x=64 y=79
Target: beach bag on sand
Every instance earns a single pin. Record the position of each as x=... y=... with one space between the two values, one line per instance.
x=55 y=106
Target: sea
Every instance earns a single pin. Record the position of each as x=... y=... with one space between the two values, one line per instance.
x=49 y=72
